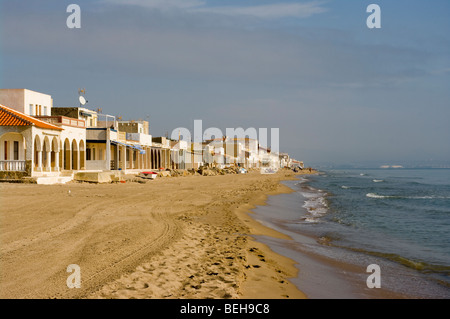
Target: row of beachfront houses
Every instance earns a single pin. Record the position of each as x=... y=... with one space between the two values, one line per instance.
x=38 y=139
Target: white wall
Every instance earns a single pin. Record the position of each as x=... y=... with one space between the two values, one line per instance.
x=21 y=99
x=73 y=133
x=142 y=139
x=44 y=101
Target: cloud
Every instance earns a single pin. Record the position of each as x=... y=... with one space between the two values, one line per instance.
x=135 y=42
x=325 y=89
x=269 y=11
x=159 y=4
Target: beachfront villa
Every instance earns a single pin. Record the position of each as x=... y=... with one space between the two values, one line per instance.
x=154 y=153
x=245 y=152
x=42 y=141
x=28 y=146
x=33 y=142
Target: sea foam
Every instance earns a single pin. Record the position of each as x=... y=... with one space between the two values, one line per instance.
x=316 y=206
x=373 y=195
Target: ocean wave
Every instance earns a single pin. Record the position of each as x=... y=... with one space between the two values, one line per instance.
x=310 y=195
x=345 y=187
x=378 y=180
x=418 y=265
x=374 y=195
x=302 y=180
x=316 y=207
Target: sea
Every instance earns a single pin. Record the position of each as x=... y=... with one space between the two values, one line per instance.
x=342 y=222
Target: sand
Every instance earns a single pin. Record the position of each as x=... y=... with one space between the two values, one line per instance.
x=183 y=237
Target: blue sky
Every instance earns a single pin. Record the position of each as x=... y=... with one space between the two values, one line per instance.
x=338 y=91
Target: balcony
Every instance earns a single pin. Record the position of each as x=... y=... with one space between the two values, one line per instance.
x=12 y=166
x=63 y=120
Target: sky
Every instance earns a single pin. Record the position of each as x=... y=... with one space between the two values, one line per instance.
x=338 y=91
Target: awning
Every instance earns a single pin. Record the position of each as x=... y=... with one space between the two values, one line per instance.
x=85 y=114
x=137 y=147
x=120 y=143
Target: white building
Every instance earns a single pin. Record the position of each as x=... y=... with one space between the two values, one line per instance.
x=27 y=101
x=34 y=143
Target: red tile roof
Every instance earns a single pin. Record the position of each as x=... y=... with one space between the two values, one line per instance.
x=11 y=117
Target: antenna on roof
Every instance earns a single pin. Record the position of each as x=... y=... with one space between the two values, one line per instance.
x=81 y=99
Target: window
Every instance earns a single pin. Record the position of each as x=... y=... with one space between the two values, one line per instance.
x=6 y=150
x=31 y=109
x=88 y=154
x=45 y=110
x=16 y=150
x=93 y=154
x=100 y=154
x=40 y=109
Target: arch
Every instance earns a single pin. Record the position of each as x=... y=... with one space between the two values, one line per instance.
x=153 y=158
x=54 y=161
x=67 y=165
x=37 y=143
x=61 y=155
x=158 y=159
x=46 y=153
x=55 y=144
x=37 y=146
x=82 y=149
x=47 y=146
x=75 y=155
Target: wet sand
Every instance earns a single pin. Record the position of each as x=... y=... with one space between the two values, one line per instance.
x=183 y=237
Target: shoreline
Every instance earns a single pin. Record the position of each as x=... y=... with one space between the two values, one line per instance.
x=201 y=238
x=325 y=273
x=183 y=237
x=260 y=281
x=266 y=274
x=204 y=240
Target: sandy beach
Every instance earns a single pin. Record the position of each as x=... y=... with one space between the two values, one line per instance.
x=176 y=237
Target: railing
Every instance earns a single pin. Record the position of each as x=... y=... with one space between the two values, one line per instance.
x=59 y=119
x=12 y=166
